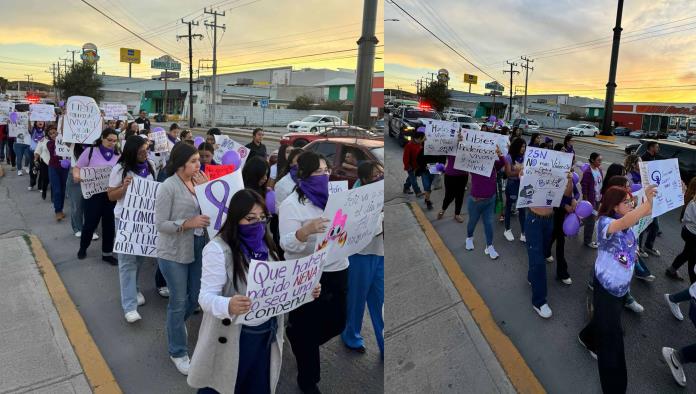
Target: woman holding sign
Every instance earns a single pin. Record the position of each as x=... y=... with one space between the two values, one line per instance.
x=301 y=223
x=133 y=162
x=57 y=174
x=513 y=164
x=180 y=244
x=616 y=258
x=37 y=134
x=98 y=207
x=231 y=357
x=41 y=158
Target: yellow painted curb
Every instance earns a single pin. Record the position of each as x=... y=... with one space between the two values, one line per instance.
x=96 y=369
x=516 y=368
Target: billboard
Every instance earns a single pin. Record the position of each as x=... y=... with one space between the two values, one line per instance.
x=472 y=79
x=129 y=55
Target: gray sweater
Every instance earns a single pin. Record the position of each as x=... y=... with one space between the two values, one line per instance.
x=689 y=219
x=174 y=205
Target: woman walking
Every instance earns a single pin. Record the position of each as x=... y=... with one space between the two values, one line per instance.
x=57 y=174
x=513 y=165
x=37 y=134
x=591 y=185
x=688 y=234
x=455 y=186
x=41 y=158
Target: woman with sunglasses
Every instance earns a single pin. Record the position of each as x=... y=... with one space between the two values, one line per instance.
x=616 y=258
x=98 y=207
x=301 y=223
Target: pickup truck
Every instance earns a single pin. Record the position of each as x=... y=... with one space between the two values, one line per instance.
x=402 y=122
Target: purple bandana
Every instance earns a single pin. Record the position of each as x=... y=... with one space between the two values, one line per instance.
x=293 y=173
x=106 y=152
x=37 y=135
x=316 y=188
x=142 y=170
x=253 y=244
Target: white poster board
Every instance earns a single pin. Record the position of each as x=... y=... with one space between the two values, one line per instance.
x=160 y=141
x=476 y=153
x=82 y=122
x=277 y=287
x=62 y=150
x=5 y=108
x=226 y=144
x=94 y=180
x=354 y=216
x=115 y=111
x=544 y=178
x=645 y=221
x=337 y=186
x=214 y=198
x=665 y=175
x=137 y=230
x=42 y=112
x=440 y=137
x=20 y=128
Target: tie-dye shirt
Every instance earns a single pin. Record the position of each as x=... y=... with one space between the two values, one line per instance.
x=616 y=257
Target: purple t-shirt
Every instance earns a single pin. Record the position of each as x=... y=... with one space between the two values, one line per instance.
x=97 y=159
x=484 y=186
x=616 y=258
x=450 y=170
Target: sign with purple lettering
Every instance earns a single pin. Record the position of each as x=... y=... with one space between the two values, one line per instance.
x=665 y=175
x=544 y=178
x=277 y=287
x=137 y=233
x=214 y=198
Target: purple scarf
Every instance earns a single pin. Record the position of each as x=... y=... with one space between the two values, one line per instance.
x=142 y=170
x=316 y=189
x=252 y=238
x=106 y=152
x=172 y=139
x=293 y=173
x=37 y=134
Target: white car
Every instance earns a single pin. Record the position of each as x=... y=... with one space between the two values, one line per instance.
x=584 y=129
x=315 y=123
x=465 y=122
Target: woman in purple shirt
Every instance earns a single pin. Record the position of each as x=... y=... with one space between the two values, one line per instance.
x=98 y=207
x=513 y=164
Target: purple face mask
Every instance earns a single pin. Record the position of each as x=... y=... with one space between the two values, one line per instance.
x=253 y=244
x=293 y=173
x=316 y=188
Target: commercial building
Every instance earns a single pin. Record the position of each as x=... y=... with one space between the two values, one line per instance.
x=655 y=116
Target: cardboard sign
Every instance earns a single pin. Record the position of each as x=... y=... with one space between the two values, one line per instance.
x=94 y=180
x=645 y=221
x=160 y=141
x=20 y=128
x=115 y=111
x=217 y=171
x=82 y=122
x=440 y=137
x=42 y=112
x=665 y=175
x=544 y=179
x=337 y=186
x=476 y=153
x=5 y=108
x=137 y=230
x=226 y=144
x=62 y=150
x=354 y=216
x=214 y=198
x=277 y=287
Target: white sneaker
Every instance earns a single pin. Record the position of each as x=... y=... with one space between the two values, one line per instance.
x=567 y=281
x=674 y=365
x=544 y=311
x=95 y=237
x=674 y=308
x=508 y=235
x=182 y=364
x=30 y=188
x=490 y=251
x=593 y=245
x=141 y=299
x=469 y=244
x=132 y=316
x=549 y=259
x=635 y=307
x=523 y=239
x=19 y=172
x=78 y=234
x=163 y=291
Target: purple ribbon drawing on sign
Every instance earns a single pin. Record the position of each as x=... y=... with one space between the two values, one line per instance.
x=219 y=204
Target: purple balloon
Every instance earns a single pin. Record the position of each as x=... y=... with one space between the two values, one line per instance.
x=440 y=167
x=156 y=129
x=492 y=118
x=635 y=187
x=232 y=157
x=571 y=225
x=585 y=167
x=65 y=163
x=583 y=209
x=270 y=202
x=13 y=117
x=576 y=178
x=61 y=103
x=198 y=141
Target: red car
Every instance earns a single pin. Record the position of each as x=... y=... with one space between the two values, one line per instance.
x=299 y=139
x=335 y=150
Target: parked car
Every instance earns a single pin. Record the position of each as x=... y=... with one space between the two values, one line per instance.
x=300 y=139
x=528 y=126
x=335 y=150
x=656 y=134
x=677 y=137
x=622 y=131
x=379 y=126
x=631 y=148
x=315 y=123
x=584 y=129
x=637 y=134
x=691 y=140
x=403 y=122
x=685 y=153
x=465 y=121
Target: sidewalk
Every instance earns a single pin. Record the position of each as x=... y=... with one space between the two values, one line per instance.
x=434 y=343
x=35 y=353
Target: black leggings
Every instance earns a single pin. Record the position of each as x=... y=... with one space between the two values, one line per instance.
x=454 y=190
x=43 y=177
x=99 y=208
x=687 y=254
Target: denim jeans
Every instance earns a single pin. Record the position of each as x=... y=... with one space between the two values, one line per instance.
x=681 y=296
x=58 y=178
x=184 y=283
x=649 y=235
x=412 y=182
x=3 y=144
x=128 y=270
x=427 y=179
x=512 y=189
x=539 y=233
x=365 y=285
x=77 y=201
x=21 y=152
x=481 y=209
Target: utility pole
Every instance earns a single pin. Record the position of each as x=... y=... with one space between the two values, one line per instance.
x=366 y=65
x=65 y=65
x=526 y=79
x=29 y=76
x=190 y=36
x=611 y=85
x=53 y=73
x=512 y=71
x=73 y=56
x=214 y=26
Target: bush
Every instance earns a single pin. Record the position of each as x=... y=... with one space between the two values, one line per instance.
x=302 y=102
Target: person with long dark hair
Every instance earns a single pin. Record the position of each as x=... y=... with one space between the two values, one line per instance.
x=255 y=175
x=206 y=152
x=251 y=358
x=535 y=140
x=133 y=162
x=180 y=244
x=301 y=223
x=38 y=133
x=41 y=159
x=591 y=185
x=98 y=207
x=57 y=174
x=73 y=190
x=277 y=168
x=288 y=178
x=568 y=144
x=513 y=164
x=455 y=186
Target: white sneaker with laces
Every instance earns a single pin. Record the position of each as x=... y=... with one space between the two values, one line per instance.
x=635 y=307
x=508 y=235
x=593 y=245
x=469 y=244
x=78 y=234
x=674 y=365
x=95 y=237
x=30 y=188
x=132 y=316
x=549 y=259
x=674 y=308
x=141 y=299
x=182 y=364
x=523 y=238
x=544 y=311
x=19 y=172
x=490 y=251
x=163 y=291
x=567 y=281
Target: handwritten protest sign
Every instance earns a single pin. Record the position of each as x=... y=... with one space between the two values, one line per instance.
x=19 y=129
x=278 y=287
x=337 y=186
x=354 y=216
x=94 y=180
x=42 y=112
x=137 y=231
x=214 y=198
x=5 y=108
x=645 y=221
x=476 y=152
x=160 y=141
x=226 y=144
x=115 y=111
x=62 y=150
x=216 y=171
x=82 y=122
x=440 y=137
x=544 y=179
x=665 y=175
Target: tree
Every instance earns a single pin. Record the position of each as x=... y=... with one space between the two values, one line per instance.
x=81 y=80
x=437 y=95
x=574 y=116
x=302 y=102
x=3 y=84
x=335 y=105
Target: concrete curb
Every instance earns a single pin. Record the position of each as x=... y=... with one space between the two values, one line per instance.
x=516 y=368
x=93 y=364
x=562 y=134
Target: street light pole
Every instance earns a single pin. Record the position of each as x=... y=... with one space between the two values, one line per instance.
x=366 y=64
x=606 y=133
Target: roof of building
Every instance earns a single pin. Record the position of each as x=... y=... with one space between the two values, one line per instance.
x=337 y=82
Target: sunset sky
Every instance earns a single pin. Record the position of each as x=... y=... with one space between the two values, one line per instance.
x=657 y=60
x=35 y=33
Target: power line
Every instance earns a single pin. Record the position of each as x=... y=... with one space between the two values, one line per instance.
x=294 y=57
